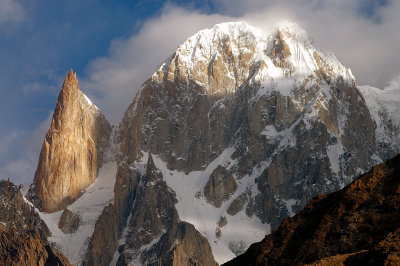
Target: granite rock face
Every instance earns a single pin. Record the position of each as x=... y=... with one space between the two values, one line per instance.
x=23 y=235
x=69 y=222
x=72 y=150
x=219 y=187
x=358 y=225
x=19 y=216
x=181 y=245
x=154 y=234
x=104 y=240
x=289 y=115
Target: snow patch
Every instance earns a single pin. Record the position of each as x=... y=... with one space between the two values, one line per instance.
x=194 y=209
x=289 y=206
x=89 y=207
x=334 y=152
x=384 y=106
x=270 y=132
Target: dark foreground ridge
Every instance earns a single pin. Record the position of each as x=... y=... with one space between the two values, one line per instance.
x=358 y=225
x=23 y=235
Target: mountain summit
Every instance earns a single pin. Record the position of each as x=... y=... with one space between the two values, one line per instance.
x=236 y=130
x=247 y=127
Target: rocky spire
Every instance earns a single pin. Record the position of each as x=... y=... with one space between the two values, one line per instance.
x=70 y=155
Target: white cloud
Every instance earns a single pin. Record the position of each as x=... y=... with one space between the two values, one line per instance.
x=10 y=11
x=20 y=168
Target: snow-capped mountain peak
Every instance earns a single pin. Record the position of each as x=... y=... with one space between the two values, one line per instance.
x=246 y=125
x=241 y=51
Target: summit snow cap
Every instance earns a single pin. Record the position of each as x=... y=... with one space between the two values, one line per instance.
x=281 y=57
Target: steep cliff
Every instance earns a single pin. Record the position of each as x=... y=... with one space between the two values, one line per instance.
x=72 y=150
x=358 y=225
x=249 y=124
x=154 y=234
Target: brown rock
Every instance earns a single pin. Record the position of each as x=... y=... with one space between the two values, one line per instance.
x=125 y=190
x=23 y=235
x=222 y=221
x=182 y=245
x=280 y=52
x=218 y=232
x=69 y=222
x=72 y=150
x=220 y=186
x=19 y=216
x=104 y=241
x=25 y=249
x=237 y=205
x=155 y=224
x=152 y=215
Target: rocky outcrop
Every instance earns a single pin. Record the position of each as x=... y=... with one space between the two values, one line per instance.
x=356 y=225
x=104 y=240
x=17 y=215
x=69 y=222
x=155 y=236
x=153 y=213
x=220 y=186
x=181 y=245
x=25 y=249
x=237 y=205
x=72 y=150
x=23 y=235
x=125 y=189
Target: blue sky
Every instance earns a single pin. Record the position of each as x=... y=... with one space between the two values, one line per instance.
x=114 y=46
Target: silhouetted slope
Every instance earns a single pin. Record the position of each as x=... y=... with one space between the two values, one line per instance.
x=363 y=218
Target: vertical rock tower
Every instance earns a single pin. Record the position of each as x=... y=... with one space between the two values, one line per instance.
x=72 y=150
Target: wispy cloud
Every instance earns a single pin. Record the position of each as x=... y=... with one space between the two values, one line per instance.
x=10 y=11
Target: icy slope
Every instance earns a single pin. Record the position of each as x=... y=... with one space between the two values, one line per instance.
x=384 y=106
x=239 y=230
x=386 y=100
